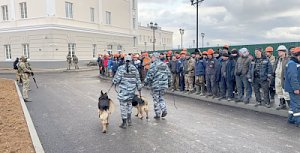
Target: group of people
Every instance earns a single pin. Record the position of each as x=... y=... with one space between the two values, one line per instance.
x=127 y=77
x=23 y=72
x=69 y=61
x=223 y=74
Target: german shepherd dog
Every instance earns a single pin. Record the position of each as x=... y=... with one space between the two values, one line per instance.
x=105 y=108
x=141 y=104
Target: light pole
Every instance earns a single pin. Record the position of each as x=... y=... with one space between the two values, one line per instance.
x=181 y=33
x=153 y=27
x=196 y=2
x=202 y=35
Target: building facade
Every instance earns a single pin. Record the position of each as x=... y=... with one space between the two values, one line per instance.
x=48 y=30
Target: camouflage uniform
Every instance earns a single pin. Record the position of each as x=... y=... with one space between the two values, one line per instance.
x=128 y=83
x=69 y=61
x=189 y=75
x=75 y=61
x=159 y=78
x=25 y=73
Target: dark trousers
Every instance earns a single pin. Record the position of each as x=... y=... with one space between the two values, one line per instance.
x=230 y=87
x=211 y=84
x=243 y=84
x=223 y=87
x=181 y=81
x=264 y=84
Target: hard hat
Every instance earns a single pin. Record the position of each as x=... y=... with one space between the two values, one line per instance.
x=210 y=51
x=296 y=51
x=282 y=48
x=226 y=47
x=123 y=55
x=156 y=54
x=128 y=58
x=204 y=53
x=269 y=49
x=244 y=51
x=183 y=52
x=116 y=55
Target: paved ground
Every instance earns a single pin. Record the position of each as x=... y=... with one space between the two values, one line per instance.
x=64 y=111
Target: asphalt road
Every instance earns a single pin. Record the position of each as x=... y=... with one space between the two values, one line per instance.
x=64 y=112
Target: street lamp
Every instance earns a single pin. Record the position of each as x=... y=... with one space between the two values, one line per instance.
x=196 y=2
x=181 y=33
x=153 y=27
x=202 y=35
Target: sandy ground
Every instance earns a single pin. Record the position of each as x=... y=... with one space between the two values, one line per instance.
x=14 y=133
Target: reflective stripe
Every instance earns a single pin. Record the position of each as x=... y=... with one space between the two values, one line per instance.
x=291 y=112
x=296 y=114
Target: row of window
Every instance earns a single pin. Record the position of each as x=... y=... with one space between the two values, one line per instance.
x=71 y=50
x=7 y=50
x=149 y=39
x=68 y=9
x=23 y=11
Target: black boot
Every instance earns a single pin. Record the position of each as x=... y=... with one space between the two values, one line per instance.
x=164 y=114
x=157 y=117
x=123 y=125
x=129 y=119
x=281 y=104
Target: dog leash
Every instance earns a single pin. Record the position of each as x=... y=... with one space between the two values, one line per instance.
x=110 y=88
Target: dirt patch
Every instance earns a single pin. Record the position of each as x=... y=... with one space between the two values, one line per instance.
x=14 y=133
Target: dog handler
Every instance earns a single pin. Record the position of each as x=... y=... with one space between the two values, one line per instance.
x=159 y=78
x=128 y=79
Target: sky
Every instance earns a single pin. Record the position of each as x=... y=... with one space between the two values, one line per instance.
x=232 y=22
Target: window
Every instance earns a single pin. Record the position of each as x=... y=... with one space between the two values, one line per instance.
x=134 y=4
x=94 y=50
x=69 y=10
x=23 y=8
x=26 y=50
x=92 y=10
x=4 y=12
x=7 y=52
x=108 y=17
x=71 y=48
x=134 y=23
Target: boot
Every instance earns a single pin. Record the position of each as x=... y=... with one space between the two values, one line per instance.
x=281 y=104
x=197 y=90
x=164 y=114
x=157 y=117
x=27 y=100
x=257 y=104
x=268 y=105
x=129 y=120
x=123 y=125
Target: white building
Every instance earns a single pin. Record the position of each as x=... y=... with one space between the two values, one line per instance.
x=47 y=30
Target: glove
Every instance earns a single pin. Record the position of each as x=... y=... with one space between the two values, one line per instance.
x=250 y=80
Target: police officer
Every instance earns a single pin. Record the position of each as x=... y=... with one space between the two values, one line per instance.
x=75 y=61
x=159 y=78
x=292 y=86
x=128 y=79
x=25 y=73
x=210 y=74
x=69 y=61
x=260 y=73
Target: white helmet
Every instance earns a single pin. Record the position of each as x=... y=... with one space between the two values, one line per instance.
x=128 y=58
x=281 y=48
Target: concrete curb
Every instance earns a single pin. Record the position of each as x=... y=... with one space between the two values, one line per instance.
x=40 y=71
x=262 y=109
x=33 y=134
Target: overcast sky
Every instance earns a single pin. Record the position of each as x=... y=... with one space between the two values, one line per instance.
x=232 y=22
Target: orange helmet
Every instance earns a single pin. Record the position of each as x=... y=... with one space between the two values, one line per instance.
x=183 y=52
x=169 y=53
x=123 y=55
x=204 y=53
x=116 y=55
x=210 y=51
x=269 y=49
x=296 y=50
